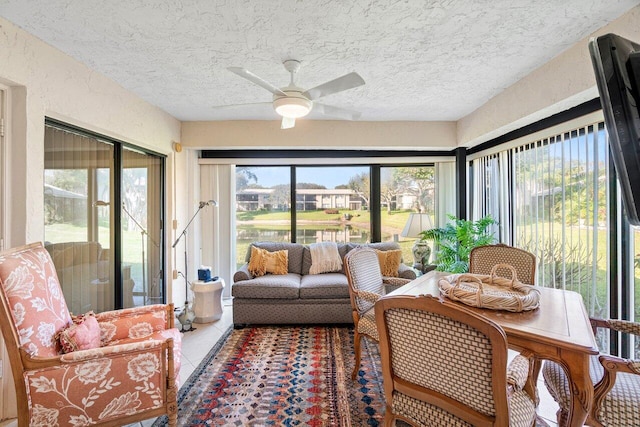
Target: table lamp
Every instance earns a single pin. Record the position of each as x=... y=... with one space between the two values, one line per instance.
x=417 y=223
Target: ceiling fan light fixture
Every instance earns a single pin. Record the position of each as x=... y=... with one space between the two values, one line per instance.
x=292 y=107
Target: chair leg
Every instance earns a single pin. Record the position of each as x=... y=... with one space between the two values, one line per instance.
x=357 y=338
x=173 y=420
x=562 y=416
x=388 y=418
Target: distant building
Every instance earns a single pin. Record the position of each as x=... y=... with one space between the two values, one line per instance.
x=253 y=199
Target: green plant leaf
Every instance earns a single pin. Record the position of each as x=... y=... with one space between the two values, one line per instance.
x=455 y=240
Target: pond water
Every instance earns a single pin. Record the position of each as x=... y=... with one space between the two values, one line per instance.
x=306 y=234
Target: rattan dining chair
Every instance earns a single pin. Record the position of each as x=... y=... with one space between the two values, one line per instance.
x=444 y=365
x=617 y=384
x=483 y=258
x=366 y=286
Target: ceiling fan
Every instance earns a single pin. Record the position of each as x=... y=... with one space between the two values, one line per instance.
x=292 y=102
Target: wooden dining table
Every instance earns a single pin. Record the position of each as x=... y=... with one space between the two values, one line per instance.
x=558 y=330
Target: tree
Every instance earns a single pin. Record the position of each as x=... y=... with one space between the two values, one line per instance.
x=361 y=184
x=389 y=192
x=281 y=197
x=74 y=180
x=419 y=182
x=244 y=176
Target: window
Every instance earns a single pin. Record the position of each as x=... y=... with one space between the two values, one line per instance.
x=403 y=190
x=331 y=203
x=100 y=267
x=561 y=212
x=334 y=208
x=263 y=207
x=562 y=204
x=635 y=294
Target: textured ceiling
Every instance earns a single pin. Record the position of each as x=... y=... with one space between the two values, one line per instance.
x=421 y=60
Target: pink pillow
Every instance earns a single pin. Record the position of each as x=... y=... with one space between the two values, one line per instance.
x=83 y=334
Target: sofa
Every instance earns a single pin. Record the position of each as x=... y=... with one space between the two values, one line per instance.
x=297 y=297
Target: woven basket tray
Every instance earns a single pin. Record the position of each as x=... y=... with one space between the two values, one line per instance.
x=491 y=291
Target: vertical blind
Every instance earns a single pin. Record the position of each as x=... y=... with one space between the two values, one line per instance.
x=550 y=198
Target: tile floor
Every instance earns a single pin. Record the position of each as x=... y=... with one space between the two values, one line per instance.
x=197 y=343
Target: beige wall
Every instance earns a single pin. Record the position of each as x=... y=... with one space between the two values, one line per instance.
x=319 y=134
x=46 y=82
x=43 y=82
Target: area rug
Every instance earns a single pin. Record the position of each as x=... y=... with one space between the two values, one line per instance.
x=284 y=376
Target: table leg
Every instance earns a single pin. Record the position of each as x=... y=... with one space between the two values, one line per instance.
x=576 y=366
x=531 y=386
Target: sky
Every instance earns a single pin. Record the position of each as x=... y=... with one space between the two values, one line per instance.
x=329 y=176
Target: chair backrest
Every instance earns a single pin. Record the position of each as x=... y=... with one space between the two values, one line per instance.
x=33 y=307
x=445 y=355
x=483 y=258
x=363 y=274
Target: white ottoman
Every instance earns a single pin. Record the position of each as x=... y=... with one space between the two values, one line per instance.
x=207 y=300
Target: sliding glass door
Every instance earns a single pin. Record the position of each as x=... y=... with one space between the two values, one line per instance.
x=92 y=183
x=141 y=228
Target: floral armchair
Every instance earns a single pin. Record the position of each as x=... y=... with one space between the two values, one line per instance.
x=130 y=375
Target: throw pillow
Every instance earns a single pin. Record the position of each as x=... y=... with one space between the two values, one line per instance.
x=277 y=262
x=262 y=262
x=325 y=258
x=257 y=262
x=82 y=334
x=389 y=262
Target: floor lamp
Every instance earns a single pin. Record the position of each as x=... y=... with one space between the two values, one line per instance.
x=143 y=232
x=187 y=314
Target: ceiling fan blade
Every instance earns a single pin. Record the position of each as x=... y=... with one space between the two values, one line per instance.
x=339 y=113
x=257 y=80
x=287 y=123
x=348 y=81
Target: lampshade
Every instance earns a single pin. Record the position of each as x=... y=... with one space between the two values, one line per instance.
x=417 y=223
x=292 y=107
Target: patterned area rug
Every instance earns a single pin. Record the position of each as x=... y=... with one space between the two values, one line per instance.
x=284 y=376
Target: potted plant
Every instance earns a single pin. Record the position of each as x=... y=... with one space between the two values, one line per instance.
x=454 y=241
